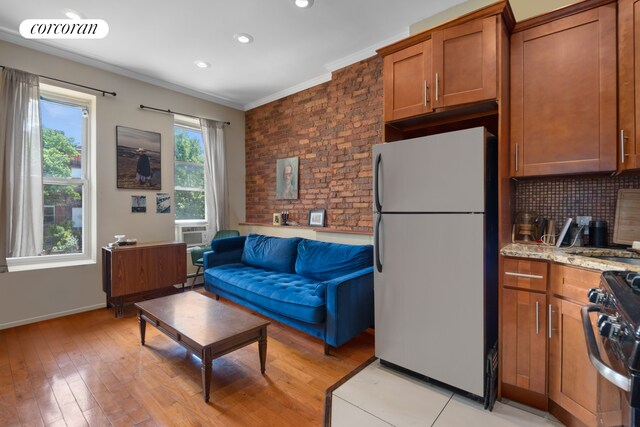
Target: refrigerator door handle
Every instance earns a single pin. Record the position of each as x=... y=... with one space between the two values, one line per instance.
x=376 y=244
x=375 y=182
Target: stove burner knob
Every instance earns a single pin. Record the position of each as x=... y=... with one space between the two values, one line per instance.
x=605 y=329
x=606 y=318
x=611 y=330
x=597 y=296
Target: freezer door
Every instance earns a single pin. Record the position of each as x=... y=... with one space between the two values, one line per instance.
x=429 y=297
x=438 y=173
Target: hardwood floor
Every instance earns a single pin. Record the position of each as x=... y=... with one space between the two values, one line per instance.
x=90 y=369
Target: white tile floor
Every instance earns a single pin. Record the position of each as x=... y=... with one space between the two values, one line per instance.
x=378 y=396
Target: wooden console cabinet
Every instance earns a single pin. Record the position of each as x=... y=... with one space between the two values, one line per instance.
x=130 y=272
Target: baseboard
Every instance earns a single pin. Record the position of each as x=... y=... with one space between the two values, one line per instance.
x=564 y=416
x=49 y=316
x=526 y=397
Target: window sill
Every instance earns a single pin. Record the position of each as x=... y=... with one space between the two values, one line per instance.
x=50 y=261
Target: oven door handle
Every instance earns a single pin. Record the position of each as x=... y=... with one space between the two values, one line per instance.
x=605 y=370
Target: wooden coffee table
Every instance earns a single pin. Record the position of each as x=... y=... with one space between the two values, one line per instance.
x=205 y=327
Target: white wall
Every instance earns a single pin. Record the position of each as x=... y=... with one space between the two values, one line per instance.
x=34 y=295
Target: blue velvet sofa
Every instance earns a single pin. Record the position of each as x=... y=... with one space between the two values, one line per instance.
x=324 y=289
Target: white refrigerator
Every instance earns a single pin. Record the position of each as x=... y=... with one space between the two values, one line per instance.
x=435 y=213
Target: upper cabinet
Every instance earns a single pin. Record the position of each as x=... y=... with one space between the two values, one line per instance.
x=629 y=84
x=407 y=82
x=429 y=76
x=465 y=63
x=563 y=94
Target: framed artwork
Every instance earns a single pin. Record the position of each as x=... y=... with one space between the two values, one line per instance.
x=138 y=204
x=163 y=203
x=138 y=159
x=316 y=217
x=287 y=178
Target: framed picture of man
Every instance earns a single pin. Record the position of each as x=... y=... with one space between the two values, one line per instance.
x=138 y=159
x=287 y=178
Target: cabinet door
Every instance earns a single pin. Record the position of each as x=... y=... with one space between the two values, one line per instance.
x=629 y=85
x=524 y=338
x=572 y=377
x=464 y=63
x=563 y=95
x=407 y=85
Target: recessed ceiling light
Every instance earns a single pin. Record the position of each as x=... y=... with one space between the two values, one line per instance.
x=243 y=38
x=201 y=64
x=303 y=4
x=72 y=14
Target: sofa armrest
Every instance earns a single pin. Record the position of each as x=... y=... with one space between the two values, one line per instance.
x=350 y=306
x=224 y=251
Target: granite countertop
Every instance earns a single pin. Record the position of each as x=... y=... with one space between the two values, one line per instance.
x=578 y=256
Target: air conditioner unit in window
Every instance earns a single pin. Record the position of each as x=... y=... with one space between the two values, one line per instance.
x=193 y=235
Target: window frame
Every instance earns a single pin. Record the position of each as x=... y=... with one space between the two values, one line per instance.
x=86 y=180
x=194 y=125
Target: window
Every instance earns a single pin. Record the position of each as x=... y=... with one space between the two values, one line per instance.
x=189 y=173
x=67 y=189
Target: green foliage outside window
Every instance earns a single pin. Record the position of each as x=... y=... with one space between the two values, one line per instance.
x=189 y=176
x=58 y=152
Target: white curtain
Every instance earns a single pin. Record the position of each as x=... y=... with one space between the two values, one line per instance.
x=21 y=210
x=215 y=175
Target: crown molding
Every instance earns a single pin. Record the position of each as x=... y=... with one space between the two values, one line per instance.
x=323 y=78
x=15 y=38
x=358 y=56
x=365 y=53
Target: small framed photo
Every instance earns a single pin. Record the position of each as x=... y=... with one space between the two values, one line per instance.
x=163 y=203
x=277 y=219
x=138 y=204
x=316 y=217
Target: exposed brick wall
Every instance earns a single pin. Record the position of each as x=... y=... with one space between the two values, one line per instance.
x=331 y=127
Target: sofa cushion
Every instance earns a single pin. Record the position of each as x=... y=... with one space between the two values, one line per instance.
x=283 y=293
x=326 y=261
x=271 y=253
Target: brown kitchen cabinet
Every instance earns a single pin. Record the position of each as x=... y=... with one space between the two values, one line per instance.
x=572 y=283
x=523 y=330
x=455 y=64
x=572 y=377
x=524 y=340
x=465 y=63
x=525 y=274
x=407 y=82
x=629 y=84
x=563 y=93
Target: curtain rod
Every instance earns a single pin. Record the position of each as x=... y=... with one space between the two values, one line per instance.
x=144 y=107
x=104 y=92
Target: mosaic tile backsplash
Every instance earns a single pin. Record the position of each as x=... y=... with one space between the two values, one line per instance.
x=557 y=198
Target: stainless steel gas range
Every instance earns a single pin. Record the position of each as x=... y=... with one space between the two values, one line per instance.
x=616 y=355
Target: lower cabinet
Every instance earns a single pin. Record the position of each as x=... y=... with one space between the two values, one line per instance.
x=524 y=340
x=572 y=378
x=544 y=351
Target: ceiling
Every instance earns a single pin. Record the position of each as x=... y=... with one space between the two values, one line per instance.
x=159 y=40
